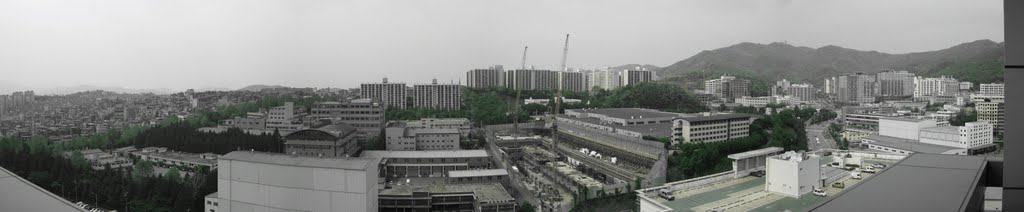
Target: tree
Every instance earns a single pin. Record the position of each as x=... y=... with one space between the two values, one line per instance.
x=173 y=174
x=142 y=169
x=527 y=207
x=78 y=160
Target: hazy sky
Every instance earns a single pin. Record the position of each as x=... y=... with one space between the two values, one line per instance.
x=180 y=44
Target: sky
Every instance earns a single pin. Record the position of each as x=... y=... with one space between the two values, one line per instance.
x=180 y=44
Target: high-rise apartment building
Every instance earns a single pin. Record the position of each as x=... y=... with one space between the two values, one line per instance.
x=727 y=88
x=992 y=88
x=490 y=77
x=941 y=86
x=437 y=96
x=388 y=94
x=605 y=79
x=858 y=88
x=531 y=79
x=573 y=81
x=632 y=77
x=893 y=83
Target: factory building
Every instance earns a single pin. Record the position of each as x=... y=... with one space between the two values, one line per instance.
x=711 y=128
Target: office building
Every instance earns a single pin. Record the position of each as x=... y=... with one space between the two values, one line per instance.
x=802 y=92
x=285 y=118
x=893 y=83
x=257 y=181
x=966 y=87
x=792 y=174
x=633 y=77
x=399 y=136
x=387 y=93
x=991 y=109
x=531 y=79
x=992 y=89
x=461 y=124
x=491 y=77
x=760 y=101
x=331 y=140
x=859 y=88
x=573 y=81
x=727 y=88
x=971 y=135
x=942 y=86
x=781 y=88
x=711 y=128
x=437 y=96
x=366 y=115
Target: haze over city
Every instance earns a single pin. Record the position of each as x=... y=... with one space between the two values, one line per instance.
x=230 y=44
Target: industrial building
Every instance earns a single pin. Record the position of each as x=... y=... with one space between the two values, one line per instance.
x=427 y=164
x=387 y=93
x=366 y=115
x=971 y=135
x=332 y=140
x=610 y=141
x=399 y=136
x=905 y=128
x=476 y=197
x=258 y=181
x=711 y=128
x=437 y=96
x=461 y=124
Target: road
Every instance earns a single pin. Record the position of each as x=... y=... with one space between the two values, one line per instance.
x=817 y=136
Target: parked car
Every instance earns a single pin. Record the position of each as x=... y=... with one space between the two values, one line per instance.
x=760 y=173
x=665 y=193
x=869 y=170
x=819 y=192
x=856 y=176
x=838 y=185
x=878 y=166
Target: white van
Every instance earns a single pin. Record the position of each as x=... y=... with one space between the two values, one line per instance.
x=665 y=193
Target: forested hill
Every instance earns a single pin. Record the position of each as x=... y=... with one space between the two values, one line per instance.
x=978 y=61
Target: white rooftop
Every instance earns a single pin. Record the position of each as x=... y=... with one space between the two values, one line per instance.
x=477 y=173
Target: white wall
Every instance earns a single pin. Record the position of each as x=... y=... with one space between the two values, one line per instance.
x=902 y=129
x=248 y=186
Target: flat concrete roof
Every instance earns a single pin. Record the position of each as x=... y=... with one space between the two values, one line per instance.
x=18 y=194
x=299 y=160
x=656 y=129
x=920 y=182
x=477 y=173
x=903 y=119
x=757 y=152
x=627 y=113
x=484 y=192
x=425 y=154
x=908 y=144
x=716 y=117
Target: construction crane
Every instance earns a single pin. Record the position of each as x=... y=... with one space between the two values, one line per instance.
x=515 y=118
x=558 y=95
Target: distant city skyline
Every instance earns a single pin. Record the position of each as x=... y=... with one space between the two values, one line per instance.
x=178 y=45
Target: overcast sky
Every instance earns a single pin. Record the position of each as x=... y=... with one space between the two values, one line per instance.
x=181 y=44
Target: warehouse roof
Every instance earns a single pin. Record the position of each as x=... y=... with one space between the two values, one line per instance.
x=299 y=160
x=715 y=117
x=908 y=144
x=477 y=173
x=18 y=194
x=949 y=181
x=628 y=113
x=426 y=154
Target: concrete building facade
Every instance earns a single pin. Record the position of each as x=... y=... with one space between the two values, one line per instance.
x=573 y=81
x=858 y=88
x=971 y=135
x=366 y=115
x=334 y=140
x=257 y=181
x=792 y=174
x=287 y=117
x=531 y=79
x=727 y=88
x=711 y=128
x=892 y=83
x=632 y=77
x=941 y=86
x=399 y=136
x=802 y=92
x=992 y=89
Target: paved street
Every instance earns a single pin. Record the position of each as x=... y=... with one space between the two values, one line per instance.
x=817 y=137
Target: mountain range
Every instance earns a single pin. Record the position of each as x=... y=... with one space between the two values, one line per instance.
x=978 y=61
